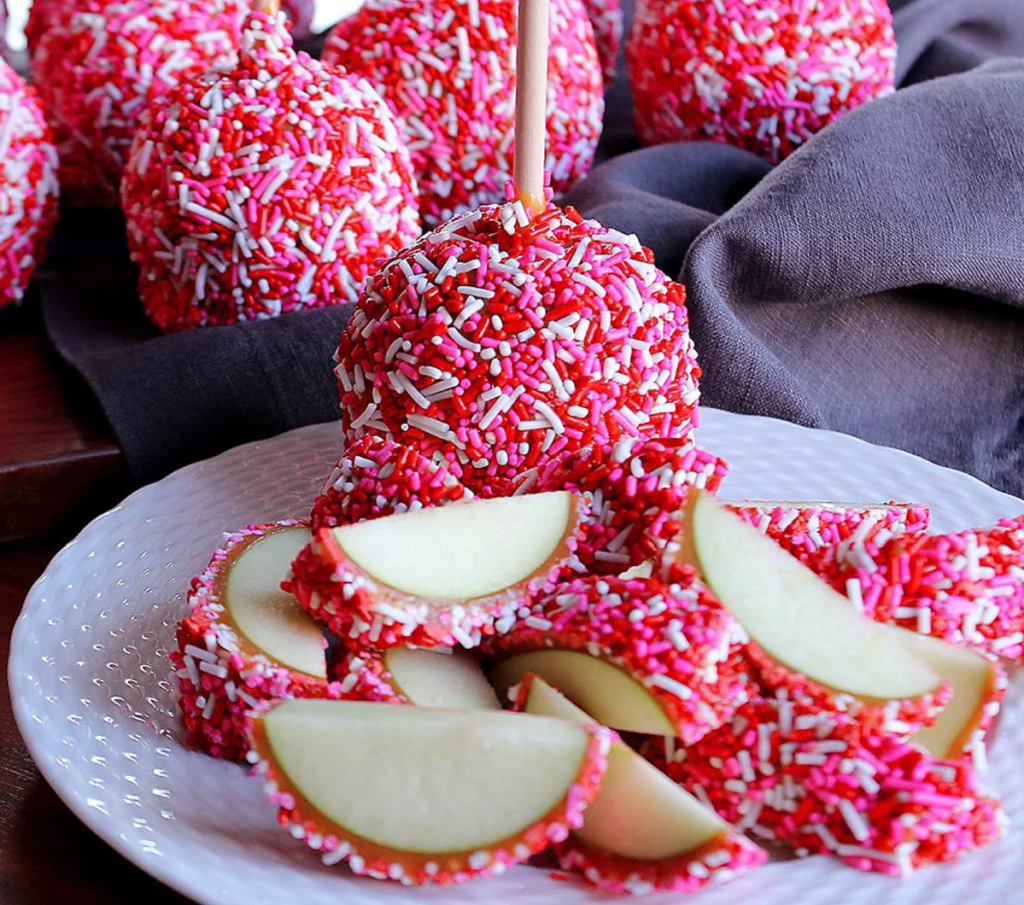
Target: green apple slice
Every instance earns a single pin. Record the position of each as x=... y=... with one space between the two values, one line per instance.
x=431 y=679
x=614 y=697
x=973 y=680
x=422 y=781
x=462 y=551
x=268 y=620
x=793 y=615
x=639 y=812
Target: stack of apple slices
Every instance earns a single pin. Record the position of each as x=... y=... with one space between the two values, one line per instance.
x=763 y=701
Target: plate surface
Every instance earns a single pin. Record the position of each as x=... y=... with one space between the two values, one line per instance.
x=94 y=700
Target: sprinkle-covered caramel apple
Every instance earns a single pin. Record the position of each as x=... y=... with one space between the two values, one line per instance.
x=503 y=340
x=447 y=68
x=28 y=184
x=269 y=188
x=101 y=64
x=764 y=76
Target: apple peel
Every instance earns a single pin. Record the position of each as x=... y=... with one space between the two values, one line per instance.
x=364 y=611
x=674 y=640
x=220 y=673
x=816 y=781
x=335 y=844
x=376 y=477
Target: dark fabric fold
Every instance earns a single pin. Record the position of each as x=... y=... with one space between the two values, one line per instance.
x=872 y=283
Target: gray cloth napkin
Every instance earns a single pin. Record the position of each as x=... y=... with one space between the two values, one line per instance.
x=872 y=283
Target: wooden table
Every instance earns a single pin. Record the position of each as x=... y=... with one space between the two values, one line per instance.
x=59 y=466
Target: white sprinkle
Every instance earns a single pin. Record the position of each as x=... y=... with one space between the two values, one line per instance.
x=671 y=686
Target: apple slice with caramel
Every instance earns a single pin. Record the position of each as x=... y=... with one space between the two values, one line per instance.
x=421 y=795
x=435 y=677
x=804 y=635
x=437 y=577
x=642 y=833
x=268 y=620
x=245 y=640
x=978 y=683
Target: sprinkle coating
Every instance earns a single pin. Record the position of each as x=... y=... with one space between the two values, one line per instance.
x=786 y=771
x=900 y=717
x=502 y=342
x=675 y=640
x=763 y=76
x=966 y=588
x=97 y=68
x=28 y=184
x=376 y=477
x=447 y=70
x=274 y=187
x=827 y=536
x=727 y=857
x=637 y=487
x=609 y=23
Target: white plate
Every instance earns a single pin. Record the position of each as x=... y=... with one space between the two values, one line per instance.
x=92 y=695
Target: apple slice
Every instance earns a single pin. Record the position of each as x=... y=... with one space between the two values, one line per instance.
x=426 y=678
x=245 y=640
x=640 y=655
x=978 y=683
x=619 y=699
x=437 y=577
x=422 y=795
x=827 y=536
x=268 y=620
x=642 y=833
x=805 y=635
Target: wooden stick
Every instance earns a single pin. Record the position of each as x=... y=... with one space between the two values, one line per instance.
x=531 y=103
x=270 y=7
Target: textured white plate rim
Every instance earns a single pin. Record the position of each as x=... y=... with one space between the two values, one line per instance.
x=165 y=871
